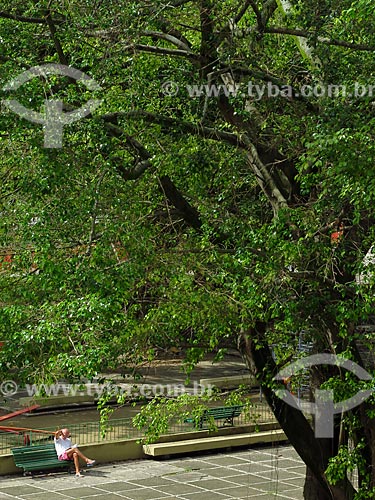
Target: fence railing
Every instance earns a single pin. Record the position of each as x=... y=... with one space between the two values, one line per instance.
x=116 y=429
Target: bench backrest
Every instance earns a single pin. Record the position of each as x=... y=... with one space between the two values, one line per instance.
x=28 y=454
x=225 y=411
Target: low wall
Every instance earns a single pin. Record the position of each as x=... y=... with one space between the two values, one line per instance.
x=131 y=449
x=111 y=451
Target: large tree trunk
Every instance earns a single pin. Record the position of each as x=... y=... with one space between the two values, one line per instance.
x=313 y=490
x=314 y=452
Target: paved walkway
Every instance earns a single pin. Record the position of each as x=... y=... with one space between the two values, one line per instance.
x=262 y=473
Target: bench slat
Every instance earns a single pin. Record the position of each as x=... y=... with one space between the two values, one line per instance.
x=31 y=458
x=227 y=413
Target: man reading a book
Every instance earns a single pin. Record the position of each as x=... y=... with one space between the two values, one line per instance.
x=66 y=451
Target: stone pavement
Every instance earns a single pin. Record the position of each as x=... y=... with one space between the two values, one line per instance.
x=262 y=473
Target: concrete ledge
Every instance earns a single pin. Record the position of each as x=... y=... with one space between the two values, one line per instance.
x=213 y=443
x=229 y=382
x=53 y=401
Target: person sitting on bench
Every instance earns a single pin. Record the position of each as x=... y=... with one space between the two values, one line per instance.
x=65 y=450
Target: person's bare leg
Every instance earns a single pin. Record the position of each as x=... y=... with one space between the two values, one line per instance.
x=76 y=463
x=71 y=453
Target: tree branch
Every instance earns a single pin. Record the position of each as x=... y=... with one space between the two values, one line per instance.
x=258 y=15
x=162 y=51
x=262 y=16
x=15 y=17
x=143 y=157
x=174 y=196
x=269 y=7
x=237 y=18
x=324 y=40
x=209 y=41
x=167 y=27
x=23 y=19
x=52 y=28
x=169 y=38
x=265 y=179
x=192 y=128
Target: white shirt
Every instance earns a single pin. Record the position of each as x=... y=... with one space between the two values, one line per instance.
x=61 y=445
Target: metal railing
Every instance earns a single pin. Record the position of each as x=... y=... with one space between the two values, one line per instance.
x=118 y=429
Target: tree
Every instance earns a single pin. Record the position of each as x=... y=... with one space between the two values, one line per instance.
x=222 y=196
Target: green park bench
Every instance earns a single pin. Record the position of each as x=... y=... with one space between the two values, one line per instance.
x=38 y=458
x=225 y=413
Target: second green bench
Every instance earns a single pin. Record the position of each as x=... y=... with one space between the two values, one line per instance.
x=225 y=413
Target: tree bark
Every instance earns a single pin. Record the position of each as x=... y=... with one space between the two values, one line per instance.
x=312 y=489
x=313 y=451
x=188 y=212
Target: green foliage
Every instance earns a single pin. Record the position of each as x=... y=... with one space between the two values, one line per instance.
x=161 y=413
x=349 y=460
x=156 y=418
x=101 y=269
x=345 y=461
